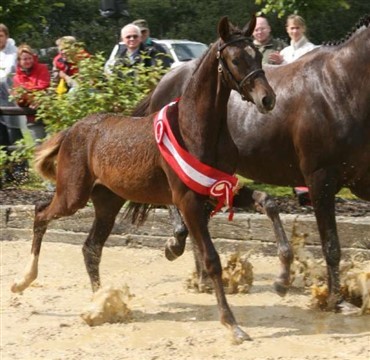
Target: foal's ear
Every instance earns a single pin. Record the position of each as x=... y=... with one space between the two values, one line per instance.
x=224 y=28
x=249 y=28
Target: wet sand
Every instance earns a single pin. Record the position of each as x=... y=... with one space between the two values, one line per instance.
x=168 y=321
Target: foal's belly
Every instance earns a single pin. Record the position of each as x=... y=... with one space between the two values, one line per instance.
x=134 y=174
x=152 y=187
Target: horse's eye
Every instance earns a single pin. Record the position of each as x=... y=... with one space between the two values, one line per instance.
x=235 y=61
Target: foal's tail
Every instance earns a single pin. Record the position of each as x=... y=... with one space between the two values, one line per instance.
x=138 y=213
x=45 y=156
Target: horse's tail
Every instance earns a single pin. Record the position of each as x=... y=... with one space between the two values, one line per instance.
x=45 y=156
x=136 y=212
x=142 y=108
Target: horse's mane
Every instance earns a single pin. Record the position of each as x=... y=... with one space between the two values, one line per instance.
x=364 y=21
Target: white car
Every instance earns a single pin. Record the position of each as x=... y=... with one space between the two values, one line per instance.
x=182 y=50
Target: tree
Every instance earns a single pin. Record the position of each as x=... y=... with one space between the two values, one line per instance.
x=303 y=7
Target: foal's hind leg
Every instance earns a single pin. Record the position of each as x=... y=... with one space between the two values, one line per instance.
x=31 y=270
x=245 y=198
x=63 y=204
x=107 y=205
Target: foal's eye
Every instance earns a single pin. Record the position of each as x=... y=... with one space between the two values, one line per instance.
x=235 y=61
x=250 y=51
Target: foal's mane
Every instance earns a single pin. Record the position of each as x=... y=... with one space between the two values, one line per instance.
x=364 y=21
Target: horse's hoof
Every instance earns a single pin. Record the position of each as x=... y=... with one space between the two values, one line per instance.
x=239 y=336
x=280 y=288
x=347 y=308
x=334 y=303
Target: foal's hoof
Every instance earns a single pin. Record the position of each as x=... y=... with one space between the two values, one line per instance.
x=239 y=336
x=173 y=249
x=281 y=288
x=18 y=287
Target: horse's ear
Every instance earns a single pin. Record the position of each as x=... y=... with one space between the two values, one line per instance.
x=224 y=28
x=249 y=28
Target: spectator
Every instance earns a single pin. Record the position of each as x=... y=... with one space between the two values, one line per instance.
x=9 y=125
x=30 y=77
x=150 y=43
x=8 y=54
x=65 y=64
x=299 y=44
x=130 y=50
x=264 y=41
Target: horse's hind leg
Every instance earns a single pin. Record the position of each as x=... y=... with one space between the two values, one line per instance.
x=247 y=197
x=107 y=205
x=175 y=246
x=322 y=192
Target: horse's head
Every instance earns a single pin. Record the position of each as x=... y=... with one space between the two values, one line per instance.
x=240 y=64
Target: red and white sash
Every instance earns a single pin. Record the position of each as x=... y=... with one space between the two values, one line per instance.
x=198 y=176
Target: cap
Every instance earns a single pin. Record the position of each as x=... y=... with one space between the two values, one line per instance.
x=142 y=24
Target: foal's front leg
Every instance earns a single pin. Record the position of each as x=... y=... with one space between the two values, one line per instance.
x=192 y=208
x=175 y=246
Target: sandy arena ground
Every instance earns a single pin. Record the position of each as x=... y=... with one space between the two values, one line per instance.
x=169 y=321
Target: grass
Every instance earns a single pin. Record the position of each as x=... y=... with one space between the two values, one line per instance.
x=283 y=191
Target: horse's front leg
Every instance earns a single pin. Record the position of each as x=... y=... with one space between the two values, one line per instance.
x=323 y=187
x=245 y=198
x=192 y=208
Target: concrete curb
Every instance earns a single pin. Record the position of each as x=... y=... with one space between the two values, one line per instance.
x=246 y=231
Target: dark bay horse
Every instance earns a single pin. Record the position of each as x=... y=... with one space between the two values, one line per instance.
x=111 y=158
x=318 y=134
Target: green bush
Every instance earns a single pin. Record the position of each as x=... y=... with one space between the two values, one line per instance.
x=95 y=92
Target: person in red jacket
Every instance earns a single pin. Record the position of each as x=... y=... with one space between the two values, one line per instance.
x=30 y=77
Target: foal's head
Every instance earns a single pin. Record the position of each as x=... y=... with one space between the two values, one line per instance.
x=240 y=64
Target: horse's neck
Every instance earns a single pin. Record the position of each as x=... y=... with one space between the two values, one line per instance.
x=354 y=54
x=203 y=109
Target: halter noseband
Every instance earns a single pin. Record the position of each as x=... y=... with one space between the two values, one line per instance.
x=222 y=65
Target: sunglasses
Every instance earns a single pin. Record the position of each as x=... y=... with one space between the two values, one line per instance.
x=131 y=37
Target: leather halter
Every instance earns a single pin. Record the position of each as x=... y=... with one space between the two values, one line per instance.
x=223 y=66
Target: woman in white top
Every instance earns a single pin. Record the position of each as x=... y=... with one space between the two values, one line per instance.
x=299 y=44
x=8 y=54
